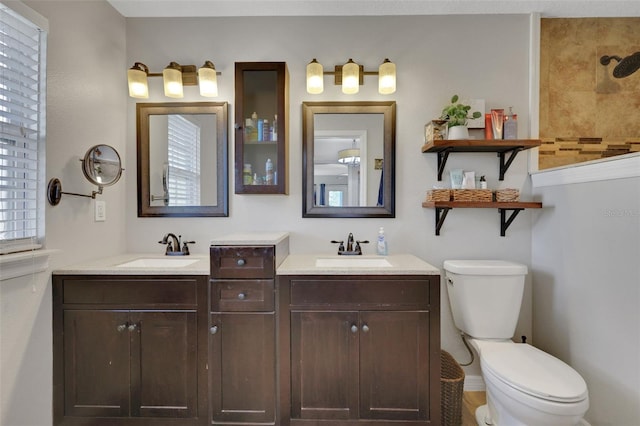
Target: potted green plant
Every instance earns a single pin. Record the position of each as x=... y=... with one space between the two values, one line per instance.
x=457 y=116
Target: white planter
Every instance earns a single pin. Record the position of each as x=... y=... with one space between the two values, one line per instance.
x=458 y=132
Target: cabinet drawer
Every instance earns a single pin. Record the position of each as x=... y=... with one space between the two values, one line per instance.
x=242 y=262
x=242 y=295
x=130 y=291
x=361 y=293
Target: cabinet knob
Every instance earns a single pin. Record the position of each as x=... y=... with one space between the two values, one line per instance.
x=132 y=327
x=242 y=296
x=354 y=328
x=365 y=328
x=121 y=328
x=214 y=329
x=241 y=262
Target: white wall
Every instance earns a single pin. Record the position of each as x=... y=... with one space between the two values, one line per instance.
x=586 y=288
x=86 y=105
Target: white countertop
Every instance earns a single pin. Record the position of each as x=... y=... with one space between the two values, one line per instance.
x=401 y=264
x=250 y=238
x=109 y=266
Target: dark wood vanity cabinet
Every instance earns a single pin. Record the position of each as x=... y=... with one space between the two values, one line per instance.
x=242 y=355
x=126 y=350
x=364 y=349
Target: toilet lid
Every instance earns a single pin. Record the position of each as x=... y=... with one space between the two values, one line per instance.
x=532 y=371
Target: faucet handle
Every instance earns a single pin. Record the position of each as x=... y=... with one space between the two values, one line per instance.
x=340 y=247
x=185 y=248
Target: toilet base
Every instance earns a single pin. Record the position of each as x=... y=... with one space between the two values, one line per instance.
x=482 y=417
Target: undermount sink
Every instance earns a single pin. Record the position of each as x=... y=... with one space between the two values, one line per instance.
x=352 y=262
x=165 y=262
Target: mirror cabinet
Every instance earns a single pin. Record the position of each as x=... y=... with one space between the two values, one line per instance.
x=261 y=113
x=348 y=159
x=182 y=159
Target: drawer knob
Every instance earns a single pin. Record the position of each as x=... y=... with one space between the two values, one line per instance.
x=214 y=329
x=132 y=327
x=242 y=296
x=365 y=328
x=241 y=262
x=121 y=328
x=354 y=328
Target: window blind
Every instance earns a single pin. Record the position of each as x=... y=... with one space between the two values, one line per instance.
x=22 y=45
x=184 y=162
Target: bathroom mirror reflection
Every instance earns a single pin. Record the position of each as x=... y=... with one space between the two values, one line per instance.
x=182 y=159
x=348 y=159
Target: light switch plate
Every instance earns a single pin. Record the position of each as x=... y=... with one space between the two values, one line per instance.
x=100 y=211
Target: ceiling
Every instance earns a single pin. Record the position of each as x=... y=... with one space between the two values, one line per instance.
x=210 y=8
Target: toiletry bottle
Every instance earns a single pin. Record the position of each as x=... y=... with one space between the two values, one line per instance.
x=269 y=172
x=483 y=182
x=265 y=130
x=275 y=128
x=260 y=130
x=254 y=130
x=511 y=125
x=381 y=247
x=247 y=179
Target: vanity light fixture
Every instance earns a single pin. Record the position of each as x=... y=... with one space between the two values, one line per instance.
x=175 y=77
x=350 y=77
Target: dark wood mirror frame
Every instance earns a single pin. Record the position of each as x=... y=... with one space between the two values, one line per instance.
x=218 y=110
x=309 y=110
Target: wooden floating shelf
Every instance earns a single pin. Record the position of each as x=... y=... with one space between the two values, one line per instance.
x=500 y=146
x=515 y=207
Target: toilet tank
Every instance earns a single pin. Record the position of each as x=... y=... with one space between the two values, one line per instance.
x=485 y=296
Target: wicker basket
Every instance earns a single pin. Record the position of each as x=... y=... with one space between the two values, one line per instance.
x=506 y=195
x=481 y=195
x=439 y=195
x=451 y=389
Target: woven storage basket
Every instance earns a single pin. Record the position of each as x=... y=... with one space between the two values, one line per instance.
x=439 y=195
x=451 y=389
x=482 y=195
x=509 y=194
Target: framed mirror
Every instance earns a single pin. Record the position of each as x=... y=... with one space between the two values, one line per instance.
x=182 y=159
x=348 y=159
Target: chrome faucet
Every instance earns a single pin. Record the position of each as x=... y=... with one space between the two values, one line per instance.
x=173 y=245
x=350 y=250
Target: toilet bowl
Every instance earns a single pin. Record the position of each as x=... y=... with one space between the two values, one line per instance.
x=525 y=386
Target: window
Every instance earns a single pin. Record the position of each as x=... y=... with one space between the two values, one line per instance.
x=22 y=95
x=184 y=162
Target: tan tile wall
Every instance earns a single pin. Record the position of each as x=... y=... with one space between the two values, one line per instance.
x=585 y=112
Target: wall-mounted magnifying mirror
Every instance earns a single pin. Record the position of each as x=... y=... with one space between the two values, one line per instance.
x=348 y=159
x=101 y=166
x=182 y=159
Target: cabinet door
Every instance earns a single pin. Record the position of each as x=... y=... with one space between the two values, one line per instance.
x=394 y=365
x=164 y=364
x=242 y=367
x=324 y=365
x=261 y=101
x=96 y=363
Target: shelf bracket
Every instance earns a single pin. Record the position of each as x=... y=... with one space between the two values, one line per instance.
x=442 y=160
x=441 y=214
x=504 y=221
x=504 y=166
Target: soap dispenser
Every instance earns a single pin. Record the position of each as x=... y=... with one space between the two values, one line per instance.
x=381 y=247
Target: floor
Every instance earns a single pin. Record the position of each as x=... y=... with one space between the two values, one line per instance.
x=471 y=401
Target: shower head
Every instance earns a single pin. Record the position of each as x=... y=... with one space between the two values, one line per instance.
x=625 y=67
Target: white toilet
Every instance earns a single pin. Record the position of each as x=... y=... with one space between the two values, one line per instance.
x=525 y=386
